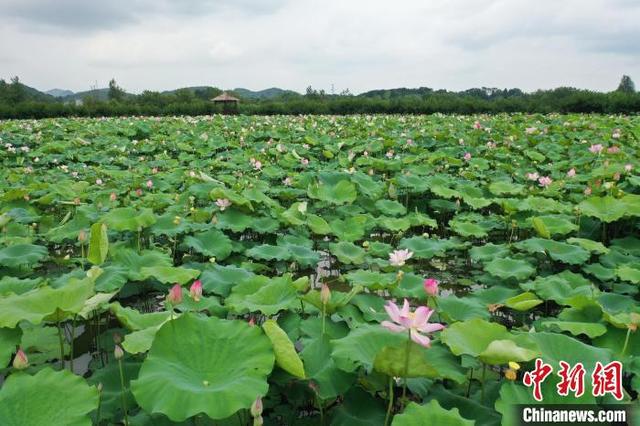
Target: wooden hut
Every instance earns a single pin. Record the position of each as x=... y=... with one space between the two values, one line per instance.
x=229 y=103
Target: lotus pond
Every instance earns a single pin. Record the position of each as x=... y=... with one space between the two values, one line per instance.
x=361 y=270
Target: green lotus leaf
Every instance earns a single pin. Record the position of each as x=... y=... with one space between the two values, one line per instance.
x=12 y=285
x=204 y=365
x=489 y=252
x=629 y=273
x=286 y=356
x=39 y=304
x=22 y=254
x=607 y=209
x=523 y=302
x=503 y=351
x=132 y=262
x=134 y=320
x=262 y=294
x=359 y=408
x=590 y=245
x=542 y=205
x=360 y=346
x=220 y=279
x=419 y=219
x=9 y=339
x=304 y=255
x=113 y=278
x=505 y=188
x=338 y=299
x=322 y=370
x=296 y=214
x=561 y=288
x=269 y=252
x=341 y=193
x=430 y=414
x=129 y=219
x=589 y=329
x=36 y=400
x=95 y=303
x=170 y=274
x=350 y=229
x=472 y=337
x=212 y=243
x=98 y=244
x=390 y=207
x=468 y=229
x=394 y=224
x=461 y=308
x=426 y=248
x=371 y=280
x=347 y=253
x=41 y=343
x=506 y=268
x=562 y=252
x=434 y=362
x=140 y=341
x=555 y=224
x=234 y=220
x=318 y=225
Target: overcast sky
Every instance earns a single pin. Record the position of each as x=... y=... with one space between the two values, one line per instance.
x=355 y=44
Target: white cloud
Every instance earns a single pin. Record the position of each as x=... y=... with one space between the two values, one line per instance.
x=359 y=44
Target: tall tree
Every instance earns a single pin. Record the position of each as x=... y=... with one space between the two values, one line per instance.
x=115 y=92
x=626 y=85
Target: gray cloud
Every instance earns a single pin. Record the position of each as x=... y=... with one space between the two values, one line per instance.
x=355 y=44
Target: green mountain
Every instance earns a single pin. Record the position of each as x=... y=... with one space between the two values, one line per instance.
x=273 y=92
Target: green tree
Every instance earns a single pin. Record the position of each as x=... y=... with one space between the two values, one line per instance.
x=626 y=85
x=115 y=92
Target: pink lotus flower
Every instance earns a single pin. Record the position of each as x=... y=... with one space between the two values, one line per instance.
x=571 y=173
x=616 y=176
x=257 y=165
x=431 y=286
x=118 y=353
x=99 y=182
x=467 y=156
x=530 y=130
x=196 y=290
x=399 y=257
x=533 y=176
x=223 y=203
x=20 y=361
x=139 y=192
x=596 y=149
x=113 y=196
x=545 y=181
x=587 y=190
x=477 y=125
x=628 y=167
x=149 y=184
x=417 y=323
x=613 y=150
x=616 y=134
x=175 y=295
x=389 y=154
x=304 y=161
x=286 y=181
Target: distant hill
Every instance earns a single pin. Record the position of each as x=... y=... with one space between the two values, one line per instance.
x=59 y=93
x=98 y=94
x=270 y=93
x=396 y=93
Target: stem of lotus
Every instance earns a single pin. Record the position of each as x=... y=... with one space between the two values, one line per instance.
x=406 y=369
x=390 y=406
x=61 y=346
x=99 y=405
x=484 y=369
x=122 y=393
x=324 y=316
x=73 y=334
x=470 y=380
x=626 y=341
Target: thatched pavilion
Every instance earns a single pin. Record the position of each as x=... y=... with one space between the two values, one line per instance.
x=225 y=99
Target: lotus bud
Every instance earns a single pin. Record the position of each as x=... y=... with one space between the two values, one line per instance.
x=431 y=286
x=252 y=322
x=149 y=184
x=20 y=361
x=117 y=338
x=82 y=236
x=118 y=353
x=113 y=196
x=325 y=294
x=175 y=295
x=139 y=192
x=100 y=387
x=256 y=407
x=196 y=290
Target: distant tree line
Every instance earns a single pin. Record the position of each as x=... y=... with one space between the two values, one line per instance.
x=20 y=101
